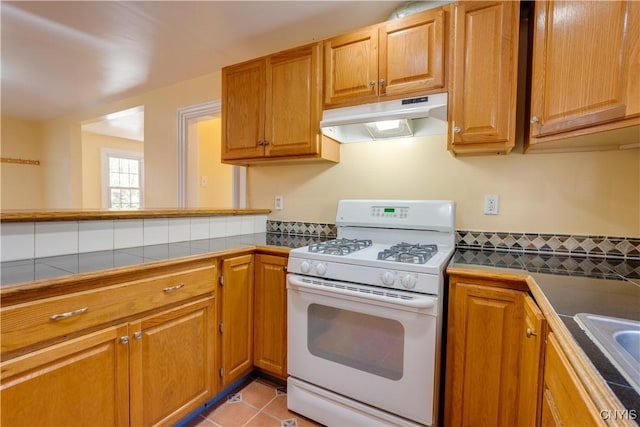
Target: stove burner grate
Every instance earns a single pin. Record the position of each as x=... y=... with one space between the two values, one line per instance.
x=408 y=253
x=340 y=246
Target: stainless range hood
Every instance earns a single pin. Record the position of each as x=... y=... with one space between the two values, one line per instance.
x=417 y=116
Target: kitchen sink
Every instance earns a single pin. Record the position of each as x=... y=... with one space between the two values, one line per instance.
x=619 y=339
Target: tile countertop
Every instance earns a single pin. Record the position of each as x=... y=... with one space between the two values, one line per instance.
x=575 y=285
x=16 y=272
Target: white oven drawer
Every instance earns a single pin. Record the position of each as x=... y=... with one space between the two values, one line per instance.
x=379 y=350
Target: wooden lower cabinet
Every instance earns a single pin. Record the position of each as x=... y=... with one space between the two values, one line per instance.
x=565 y=400
x=172 y=359
x=153 y=371
x=131 y=347
x=494 y=351
x=236 y=311
x=80 y=382
x=270 y=315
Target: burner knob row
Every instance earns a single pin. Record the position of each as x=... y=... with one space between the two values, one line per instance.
x=320 y=268
x=407 y=280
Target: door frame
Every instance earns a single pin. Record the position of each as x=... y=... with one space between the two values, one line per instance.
x=239 y=179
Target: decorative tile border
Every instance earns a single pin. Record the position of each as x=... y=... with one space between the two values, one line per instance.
x=529 y=243
x=556 y=244
x=302 y=228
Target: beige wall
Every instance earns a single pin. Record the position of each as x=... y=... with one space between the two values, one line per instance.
x=218 y=192
x=62 y=143
x=595 y=193
x=22 y=185
x=92 y=145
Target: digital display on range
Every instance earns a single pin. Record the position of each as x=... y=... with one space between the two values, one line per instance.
x=389 y=210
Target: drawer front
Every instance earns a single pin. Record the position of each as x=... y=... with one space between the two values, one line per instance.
x=33 y=322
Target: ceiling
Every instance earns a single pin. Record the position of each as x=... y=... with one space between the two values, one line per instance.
x=60 y=57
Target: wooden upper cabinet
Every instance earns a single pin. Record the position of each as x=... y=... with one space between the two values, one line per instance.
x=293 y=102
x=394 y=59
x=585 y=78
x=243 y=116
x=271 y=108
x=484 y=77
x=412 y=54
x=351 y=67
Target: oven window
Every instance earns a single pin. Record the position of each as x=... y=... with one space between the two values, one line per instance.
x=368 y=343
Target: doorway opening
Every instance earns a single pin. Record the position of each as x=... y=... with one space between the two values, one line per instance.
x=203 y=180
x=112 y=160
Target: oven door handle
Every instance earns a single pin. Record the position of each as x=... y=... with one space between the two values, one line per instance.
x=417 y=301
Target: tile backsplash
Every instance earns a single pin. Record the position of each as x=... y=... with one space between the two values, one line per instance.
x=27 y=240
x=534 y=243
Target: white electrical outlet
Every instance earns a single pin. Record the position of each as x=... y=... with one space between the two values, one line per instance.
x=279 y=203
x=204 y=181
x=491 y=204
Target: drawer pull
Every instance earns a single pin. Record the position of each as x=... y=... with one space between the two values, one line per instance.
x=173 y=288
x=531 y=333
x=69 y=313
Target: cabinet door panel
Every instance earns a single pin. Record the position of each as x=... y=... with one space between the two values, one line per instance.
x=237 y=317
x=566 y=400
x=579 y=78
x=411 y=59
x=243 y=95
x=270 y=322
x=484 y=76
x=482 y=363
x=81 y=382
x=293 y=102
x=531 y=364
x=351 y=65
x=172 y=363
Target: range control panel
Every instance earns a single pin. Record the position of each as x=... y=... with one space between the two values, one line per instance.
x=389 y=212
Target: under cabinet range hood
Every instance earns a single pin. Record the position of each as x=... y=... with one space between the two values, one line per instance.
x=417 y=116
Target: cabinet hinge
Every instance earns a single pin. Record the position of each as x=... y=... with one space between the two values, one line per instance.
x=221 y=372
x=221 y=327
x=221 y=280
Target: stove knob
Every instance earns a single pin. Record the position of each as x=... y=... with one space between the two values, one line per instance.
x=321 y=269
x=387 y=278
x=305 y=267
x=408 y=281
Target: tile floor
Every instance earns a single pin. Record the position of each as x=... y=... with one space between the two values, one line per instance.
x=259 y=403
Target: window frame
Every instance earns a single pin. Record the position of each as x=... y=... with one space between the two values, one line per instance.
x=106 y=154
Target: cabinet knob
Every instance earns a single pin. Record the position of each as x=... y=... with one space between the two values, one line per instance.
x=124 y=339
x=372 y=83
x=382 y=82
x=531 y=333
x=535 y=120
x=265 y=142
x=457 y=129
x=138 y=335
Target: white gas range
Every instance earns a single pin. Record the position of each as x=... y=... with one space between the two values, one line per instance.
x=364 y=314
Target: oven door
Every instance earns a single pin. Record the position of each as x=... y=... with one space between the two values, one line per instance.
x=376 y=346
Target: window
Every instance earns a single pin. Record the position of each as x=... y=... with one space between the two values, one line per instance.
x=122 y=180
